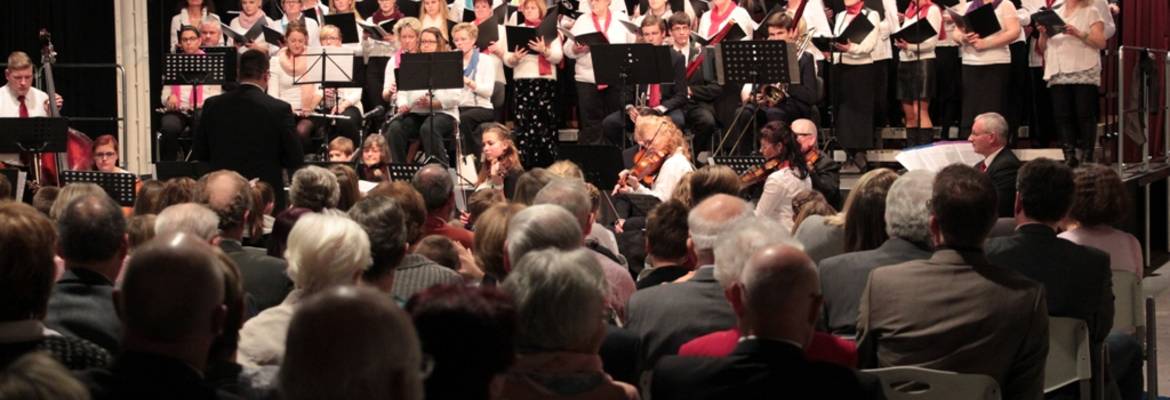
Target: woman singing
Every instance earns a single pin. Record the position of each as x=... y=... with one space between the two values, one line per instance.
x=289 y=64
x=986 y=65
x=433 y=14
x=1072 y=68
x=536 y=88
x=916 y=80
x=479 y=81
x=790 y=177
x=192 y=13
x=659 y=139
x=853 y=84
x=501 y=161
x=594 y=100
x=421 y=116
x=251 y=14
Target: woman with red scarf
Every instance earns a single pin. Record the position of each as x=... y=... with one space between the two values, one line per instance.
x=535 y=76
x=722 y=12
x=916 y=79
x=182 y=102
x=853 y=84
x=594 y=100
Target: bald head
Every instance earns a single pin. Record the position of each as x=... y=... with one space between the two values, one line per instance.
x=337 y=329
x=172 y=292
x=434 y=184
x=714 y=216
x=191 y=218
x=781 y=293
x=806 y=133
x=228 y=194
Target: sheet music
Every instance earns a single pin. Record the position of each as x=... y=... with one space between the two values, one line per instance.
x=366 y=186
x=935 y=158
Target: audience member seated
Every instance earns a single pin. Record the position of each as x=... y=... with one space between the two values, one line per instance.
x=139 y=230
x=385 y=224
x=227 y=193
x=957 y=311
x=574 y=198
x=666 y=316
x=26 y=280
x=323 y=251
x=434 y=183
x=74 y=191
x=171 y=306
x=807 y=204
x=1077 y=280
x=332 y=332
x=491 y=231
x=44 y=198
x=1099 y=202
x=147 y=200
x=598 y=236
x=529 y=183
x=668 y=248
x=989 y=138
x=176 y=191
x=189 y=218
x=559 y=295
x=223 y=372
x=314 y=188
x=439 y=249
x=37 y=376
x=347 y=186
x=843 y=277
x=444 y=317
x=91 y=234
x=779 y=295
x=415 y=272
x=859 y=226
x=710 y=180
x=479 y=202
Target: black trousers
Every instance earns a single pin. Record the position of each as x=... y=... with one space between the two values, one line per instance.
x=882 y=75
x=1041 y=131
x=945 y=107
x=1074 y=108
x=429 y=131
x=593 y=105
x=351 y=128
x=172 y=126
x=985 y=88
x=700 y=119
x=470 y=119
x=1015 y=109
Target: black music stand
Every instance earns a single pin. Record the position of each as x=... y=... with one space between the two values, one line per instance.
x=756 y=62
x=403 y=172
x=626 y=64
x=164 y=170
x=332 y=68
x=739 y=164
x=120 y=186
x=33 y=135
x=430 y=72
x=210 y=68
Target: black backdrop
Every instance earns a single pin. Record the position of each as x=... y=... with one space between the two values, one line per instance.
x=83 y=32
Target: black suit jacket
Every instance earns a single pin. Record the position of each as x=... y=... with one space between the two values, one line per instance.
x=250 y=132
x=264 y=276
x=1076 y=279
x=137 y=375
x=82 y=306
x=843 y=279
x=826 y=178
x=666 y=316
x=702 y=90
x=805 y=94
x=1003 y=175
x=757 y=369
x=674 y=95
x=619 y=354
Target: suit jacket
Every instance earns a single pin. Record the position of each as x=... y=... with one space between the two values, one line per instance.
x=250 y=132
x=1003 y=175
x=805 y=94
x=674 y=94
x=668 y=315
x=957 y=312
x=137 y=375
x=265 y=279
x=826 y=178
x=1076 y=279
x=619 y=354
x=82 y=306
x=843 y=278
x=757 y=369
x=702 y=90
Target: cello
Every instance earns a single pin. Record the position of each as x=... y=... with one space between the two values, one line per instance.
x=79 y=147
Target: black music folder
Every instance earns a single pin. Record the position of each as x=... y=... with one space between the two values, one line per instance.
x=1053 y=24
x=489 y=32
x=857 y=30
x=822 y=43
x=410 y=8
x=468 y=15
x=569 y=8
x=273 y=36
x=380 y=30
x=519 y=36
x=915 y=31
x=948 y=3
x=589 y=39
x=548 y=27
x=242 y=38
x=345 y=24
x=982 y=21
x=311 y=12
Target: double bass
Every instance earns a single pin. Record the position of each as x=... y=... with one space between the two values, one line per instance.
x=79 y=147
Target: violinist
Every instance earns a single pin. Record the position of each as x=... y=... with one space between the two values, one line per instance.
x=18 y=99
x=789 y=175
x=663 y=160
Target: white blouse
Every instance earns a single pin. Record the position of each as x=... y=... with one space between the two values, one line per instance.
x=884 y=48
x=859 y=53
x=281 y=86
x=924 y=50
x=779 y=189
x=739 y=15
x=528 y=67
x=673 y=170
x=485 y=84
x=998 y=55
x=616 y=34
x=235 y=25
x=311 y=26
x=1068 y=54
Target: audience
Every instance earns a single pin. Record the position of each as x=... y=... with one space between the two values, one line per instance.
x=71 y=192
x=668 y=248
x=148 y=194
x=414 y=272
x=479 y=202
x=36 y=376
x=559 y=295
x=439 y=249
x=779 y=299
x=314 y=188
x=347 y=185
x=957 y=311
x=191 y=218
x=44 y=198
x=843 y=277
x=529 y=183
x=1099 y=202
x=444 y=317
x=710 y=180
x=139 y=230
x=860 y=224
x=175 y=191
x=171 y=307
x=223 y=372
x=91 y=234
x=385 y=224
x=351 y=343
x=26 y=281
x=491 y=232
x=808 y=203
x=227 y=194
x=324 y=250
x=434 y=183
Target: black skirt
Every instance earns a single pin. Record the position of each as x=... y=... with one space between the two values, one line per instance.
x=984 y=90
x=853 y=94
x=916 y=80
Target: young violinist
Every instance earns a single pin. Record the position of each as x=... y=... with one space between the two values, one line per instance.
x=501 y=160
x=662 y=98
x=664 y=157
x=375 y=159
x=789 y=173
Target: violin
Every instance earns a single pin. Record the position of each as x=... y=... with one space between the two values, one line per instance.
x=646 y=165
x=760 y=172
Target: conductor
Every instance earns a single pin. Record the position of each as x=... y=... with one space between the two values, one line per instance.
x=248 y=131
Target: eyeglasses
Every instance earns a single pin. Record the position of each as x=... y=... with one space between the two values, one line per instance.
x=429 y=41
x=105 y=155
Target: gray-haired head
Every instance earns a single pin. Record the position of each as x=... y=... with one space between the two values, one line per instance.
x=714 y=216
x=569 y=194
x=993 y=122
x=542 y=226
x=560 y=298
x=227 y=193
x=742 y=239
x=434 y=184
x=908 y=206
x=192 y=218
x=314 y=188
x=326 y=250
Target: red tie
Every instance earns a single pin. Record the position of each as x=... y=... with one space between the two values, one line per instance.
x=23 y=107
x=655 y=95
x=982 y=166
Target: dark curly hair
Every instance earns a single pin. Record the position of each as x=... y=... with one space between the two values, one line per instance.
x=1100 y=197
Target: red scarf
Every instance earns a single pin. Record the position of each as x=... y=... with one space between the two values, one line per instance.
x=717 y=19
x=855 y=9
x=921 y=9
x=545 y=66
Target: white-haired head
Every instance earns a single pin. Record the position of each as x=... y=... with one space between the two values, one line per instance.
x=190 y=218
x=542 y=226
x=571 y=195
x=314 y=188
x=744 y=238
x=326 y=250
x=560 y=297
x=714 y=216
x=908 y=206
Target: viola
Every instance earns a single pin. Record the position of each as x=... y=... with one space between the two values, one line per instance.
x=759 y=173
x=646 y=165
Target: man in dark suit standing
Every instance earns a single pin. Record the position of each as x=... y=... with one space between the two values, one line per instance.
x=989 y=137
x=778 y=293
x=664 y=98
x=1076 y=279
x=957 y=311
x=92 y=239
x=227 y=193
x=248 y=131
x=843 y=277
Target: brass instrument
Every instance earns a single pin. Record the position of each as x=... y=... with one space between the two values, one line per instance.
x=771 y=95
x=805 y=39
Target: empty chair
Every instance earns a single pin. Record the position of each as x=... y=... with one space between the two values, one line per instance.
x=919 y=383
x=1068 y=355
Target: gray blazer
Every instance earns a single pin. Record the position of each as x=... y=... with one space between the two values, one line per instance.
x=668 y=315
x=843 y=279
x=957 y=312
x=265 y=279
x=820 y=240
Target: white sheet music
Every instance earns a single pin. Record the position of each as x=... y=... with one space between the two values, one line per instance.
x=936 y=157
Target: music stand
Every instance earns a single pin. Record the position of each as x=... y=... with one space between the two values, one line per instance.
x=756 y=62
x=600 y=163
x=739 y=164
x=164 y=170
x=430 y=72
x=403 y=172
x=332 y=68
x=210 y=68
x=33 y=135
x=636 y=63
x=120 y=186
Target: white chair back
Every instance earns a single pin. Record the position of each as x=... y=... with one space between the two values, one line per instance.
x=916 y=383
x=1128 y=308
x=1068 y=354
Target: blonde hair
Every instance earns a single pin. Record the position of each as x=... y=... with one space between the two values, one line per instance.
x=18 y=61
x=665 y=134
x=408 y=22
x=329 y=29
x=353 y=8
x=470 y=28
x=566 y=169
x=511 y=156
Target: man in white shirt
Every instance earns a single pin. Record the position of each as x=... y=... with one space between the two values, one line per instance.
x=18 y=99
